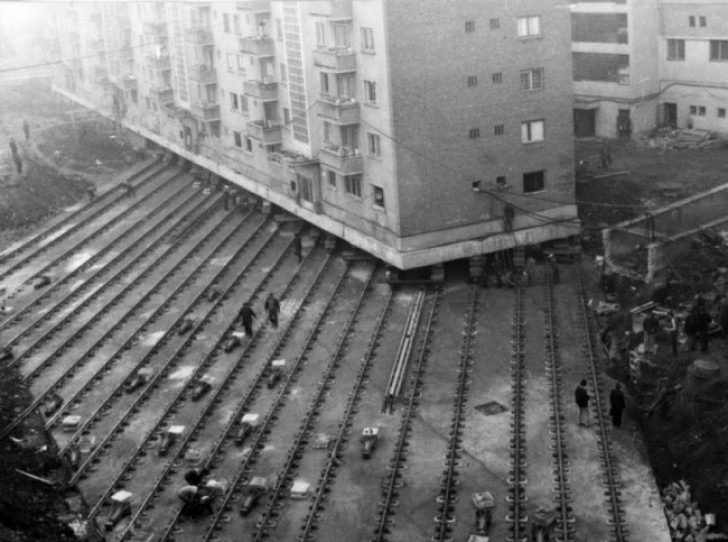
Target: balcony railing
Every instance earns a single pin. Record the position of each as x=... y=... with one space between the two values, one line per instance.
x=257 y=46
x=205 y=110
x=162 y=95
x=253 y=5
x=159 y=62
x=334 y=59
x=155 y=29
x=267 y=132
x=340 y=110
x=267 y=92
x=199 y=35
x=335 y=9
x=202 y=73
x=346 y=161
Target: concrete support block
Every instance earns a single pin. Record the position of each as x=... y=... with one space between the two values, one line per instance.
x=314 y=234
x=438 y=272
x=330 y=242
x=477 y=264
x=265 y=207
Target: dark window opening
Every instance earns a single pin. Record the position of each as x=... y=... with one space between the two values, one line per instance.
x=533 y=182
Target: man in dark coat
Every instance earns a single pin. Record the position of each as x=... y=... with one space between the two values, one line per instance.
x=13 y=148
x=617 y=404
x=273 y=308
x=298 y=247
x=703 y=322
x=650 y=325
x=581 y=396
x=246 y=317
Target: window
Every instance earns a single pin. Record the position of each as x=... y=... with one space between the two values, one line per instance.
x=226 y=22
x=474 y=133
x=352 y=185
x=721 y=112
x=703 y=21
x=533 y=182
x=320 y=35
x=367 y=39
x=494 y=24
x=324 y=82
x=532 y=79
x=499 y=129
x=370 y=91
x=378 y=193
x=331 y=178
x=693 y=109
x=470 y=26
x=327 y=132
x=374 y=144
x=701 y=111
x=238 y=139
x=230 y=62
x=675 y=49
x=501 y=182
x=691 y=20
x=243 y=103
x=234 y=100
x=718 y=50
x=532 y=131
x=286 y=116
x=529 y=27
x=342 y=37
x=241 y=66
x=305 y=188
x=497 y=78
x=279 y=28
x=236 y=24
x=284 y=72
x=248 y=144
x=472 y=80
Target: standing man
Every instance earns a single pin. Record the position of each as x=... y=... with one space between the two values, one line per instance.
x=297 y=246
x=273 y=308
x=650 y=325
x=226 y=197
x=723 y=316
x=673 y=328
x=26 y=130
x=19 y=164
x=14 y=149
x=704 y=321
x=554 y=268
x=246 y=317
x=581 y=396
x=617 y=404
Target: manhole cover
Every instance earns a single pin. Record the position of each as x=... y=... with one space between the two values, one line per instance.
x=491 y=408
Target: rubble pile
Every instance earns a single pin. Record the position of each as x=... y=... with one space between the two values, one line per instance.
x=675 y=138
x=705 y=265
x=687 y=522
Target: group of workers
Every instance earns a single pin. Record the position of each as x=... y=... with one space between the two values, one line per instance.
x=501 y=270
x=272 y=307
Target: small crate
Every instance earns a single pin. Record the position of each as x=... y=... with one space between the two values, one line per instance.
x=86 y=444
x=71 y=423
x=300 y=490
x=370 y=432
x=251 y=419
x=280 y=363
x=193 y=457
x=176 y=430
x=122 y=497
x=239 y=334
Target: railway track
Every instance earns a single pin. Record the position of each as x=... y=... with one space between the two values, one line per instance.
x=565 y=521
x=610 y=471
x=393 y=482
x=517 y=516
x=225 y=398
x=123 y=319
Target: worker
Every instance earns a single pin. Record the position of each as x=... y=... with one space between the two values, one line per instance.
x=13 y=148
x=617 y=404
x=26 y=130
x=196 y=500
x=91 y=191
x=246 y=317
x=703 y=325
x=581 y=397
x=673 y=328
x=298 y=246
x=650 y=326
x=129 y=189
x=554 y=268
x=722 y=316
x=273 y=308
x=194 y=476
x=226 y=197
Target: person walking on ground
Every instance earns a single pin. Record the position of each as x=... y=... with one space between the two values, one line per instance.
x=581 y=396
x=617 y=404
x=19 y=164
x=554 y=268
x=673 y=328
x=226 y=197
x=298 y=246
x=650 y=326
x=273 y=308
x=14 y=148
x=91 y=191
x=26 y=130
x=129 y=189
x=691 y=327
x=246 y=318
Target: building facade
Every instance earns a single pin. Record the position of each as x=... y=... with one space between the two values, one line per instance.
x=639 y=64
x=418 y=131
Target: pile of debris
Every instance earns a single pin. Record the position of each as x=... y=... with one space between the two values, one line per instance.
x=686 y=521
x=675 y=138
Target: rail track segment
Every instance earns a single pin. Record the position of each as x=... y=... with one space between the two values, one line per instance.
x=280 y=410
x=223 y=409
x=175 y=261
x=169 y=352
x=616 y=518
x=393 y=482
x=101 y=219
x=561 y=476
x=60 y=225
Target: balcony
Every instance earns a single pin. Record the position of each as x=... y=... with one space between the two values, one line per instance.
x=266 y=92
x=257 y=46
x=334 y=9
x=199 y=35
x=202 y=73
x=161 y=62
x=128 y=82
x=162 y=95
x=205 y=110
x=253 y=5
x=340 y=110
x=267 y=132
x=155 y=29
x=337 y=60
x=343 y=160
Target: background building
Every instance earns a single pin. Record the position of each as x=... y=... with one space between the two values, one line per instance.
x=420 y=132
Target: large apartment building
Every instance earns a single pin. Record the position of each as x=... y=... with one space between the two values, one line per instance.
x=639 y=64
x=421 y=131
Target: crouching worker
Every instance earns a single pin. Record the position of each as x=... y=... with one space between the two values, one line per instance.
x=196 y=500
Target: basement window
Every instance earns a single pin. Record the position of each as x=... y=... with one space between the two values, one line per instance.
x=378 y=196
x=721 y=113
x=533 y=182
